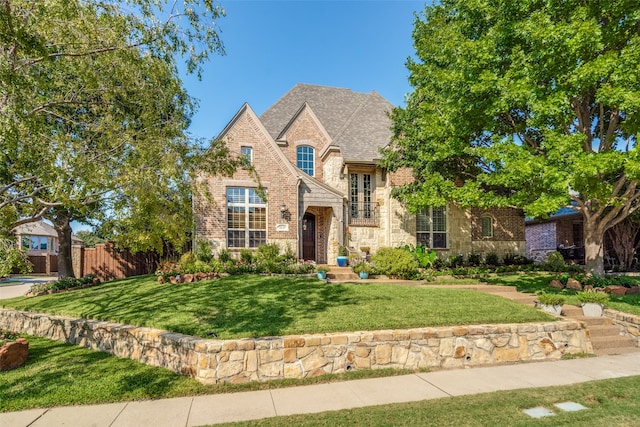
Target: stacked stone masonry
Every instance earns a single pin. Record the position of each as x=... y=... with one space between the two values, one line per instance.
x=628 y=324
x=262 y=359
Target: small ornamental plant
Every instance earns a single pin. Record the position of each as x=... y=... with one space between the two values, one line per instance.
x=322 y=269
x=362 y=266
x=593 y=297
x=550 y=299
x=7 y=336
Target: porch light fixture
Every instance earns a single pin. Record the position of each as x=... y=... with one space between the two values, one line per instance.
x=283 y=210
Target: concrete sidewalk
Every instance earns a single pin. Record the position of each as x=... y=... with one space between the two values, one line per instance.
x=212 y=409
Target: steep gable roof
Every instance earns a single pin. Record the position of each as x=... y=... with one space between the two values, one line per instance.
x=356 y=122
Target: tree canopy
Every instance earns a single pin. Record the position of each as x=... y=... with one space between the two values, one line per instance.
x=531 y=104
x=94 y=117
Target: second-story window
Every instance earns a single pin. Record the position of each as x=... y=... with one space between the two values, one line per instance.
x=247 y=153
x=306 y=159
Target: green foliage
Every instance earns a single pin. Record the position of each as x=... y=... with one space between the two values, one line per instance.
x=342 y=250
x=203 y=252
x=492 y=259
x=425 y=256
x=474 y=260
x=64 y=284
x=11 y=256
x=90 y=238
x=7 y=336
x=555 y=262
x=322 y=268
x=363 y=266
x=594 y=297
x=224 y=255
x=94 y=116
x=268 y=252
x=550 y=299
x=246 y=255
x=529 y=104
x=456 y=261
x=187 y=258
x=395 y=262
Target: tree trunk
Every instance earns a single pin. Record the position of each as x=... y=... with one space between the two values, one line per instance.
x=62 y=225
x=593 y=249
x=623 y=237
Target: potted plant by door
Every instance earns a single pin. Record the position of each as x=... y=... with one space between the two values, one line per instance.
x=321 y=271
x=550 y=303
x=342 y=256
x=363 y=269
x=592 y=302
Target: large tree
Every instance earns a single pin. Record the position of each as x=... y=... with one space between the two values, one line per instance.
x=93 y=116
x=531 y=104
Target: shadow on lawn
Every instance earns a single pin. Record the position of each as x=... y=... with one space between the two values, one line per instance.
x=527 y=283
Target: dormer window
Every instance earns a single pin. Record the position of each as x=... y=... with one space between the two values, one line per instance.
x=306 y=159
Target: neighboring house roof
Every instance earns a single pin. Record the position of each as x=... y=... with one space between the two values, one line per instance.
x=40 y=228
x=356 y=122
x=559 y=214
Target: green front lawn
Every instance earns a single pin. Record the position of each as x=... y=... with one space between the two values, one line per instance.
x=250 y=305
x=530 y=283
x=614 y=402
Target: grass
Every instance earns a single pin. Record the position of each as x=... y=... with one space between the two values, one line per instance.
x=58 y=374
x=614 y=402
x=249 y=305
x=530 y=283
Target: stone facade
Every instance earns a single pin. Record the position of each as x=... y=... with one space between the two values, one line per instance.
x=628 y=324
x=300 y=356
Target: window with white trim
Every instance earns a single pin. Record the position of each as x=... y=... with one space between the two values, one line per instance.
x=305 y=156
x=487 y=226
x=246 y=218
x=431 y=228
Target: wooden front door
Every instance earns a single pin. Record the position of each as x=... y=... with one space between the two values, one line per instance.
x=309 y=237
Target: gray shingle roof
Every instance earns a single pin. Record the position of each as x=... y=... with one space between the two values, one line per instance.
x=356 y=122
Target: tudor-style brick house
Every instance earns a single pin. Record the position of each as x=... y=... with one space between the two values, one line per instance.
x=315 y=151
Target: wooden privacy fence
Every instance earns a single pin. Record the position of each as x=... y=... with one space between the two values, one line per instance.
x=109 y=263
x=42 y=264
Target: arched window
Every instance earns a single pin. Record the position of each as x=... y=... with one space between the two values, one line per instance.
x=306 y=159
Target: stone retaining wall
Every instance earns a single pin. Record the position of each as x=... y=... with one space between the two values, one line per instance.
x=629 y=324
x=261 y=359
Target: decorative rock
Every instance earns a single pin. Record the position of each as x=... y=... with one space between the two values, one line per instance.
x=14 y=354
x=633 y=290
x=160 y=279
x=574 y=284
x=616 y=290
x=188 y=278
x=556 y=284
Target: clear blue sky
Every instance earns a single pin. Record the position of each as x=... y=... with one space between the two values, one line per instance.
x=272 y=45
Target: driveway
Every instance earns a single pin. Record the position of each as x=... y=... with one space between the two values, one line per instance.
x=18 y=285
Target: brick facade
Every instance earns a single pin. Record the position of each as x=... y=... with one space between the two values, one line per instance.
x=326 y=196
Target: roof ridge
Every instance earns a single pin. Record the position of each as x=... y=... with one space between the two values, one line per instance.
x=348 y=122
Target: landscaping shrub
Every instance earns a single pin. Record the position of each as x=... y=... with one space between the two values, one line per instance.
x=456 y=261
x=224 y=256
x=246 y=256
x=203 y=252
x=492 y=259
x=267 y=252
x=474 y=260
x=395 y=262
x=187 y=258
x=555 y=262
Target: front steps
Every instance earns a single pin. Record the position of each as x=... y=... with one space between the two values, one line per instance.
x=605 y=336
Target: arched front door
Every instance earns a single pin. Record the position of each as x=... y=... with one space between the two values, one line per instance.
x=309 y=236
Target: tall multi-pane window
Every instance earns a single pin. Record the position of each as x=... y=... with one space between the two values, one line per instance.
x=361 y=208
x=246 y=218
x=487 y=226
x=306 y=159
x=431 y=228
x=247 y=153
x=360 y=192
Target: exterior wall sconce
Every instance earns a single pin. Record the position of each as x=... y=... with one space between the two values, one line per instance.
x=283 y=210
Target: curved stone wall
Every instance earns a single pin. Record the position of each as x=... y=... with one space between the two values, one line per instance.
x=299 y=356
